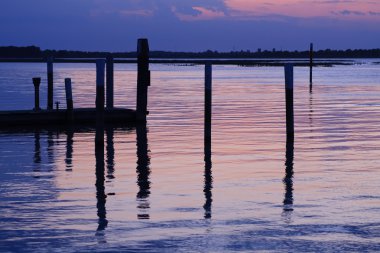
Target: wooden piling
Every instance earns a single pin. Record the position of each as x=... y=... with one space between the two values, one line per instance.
x=109 y=81
x=36 y=83
x=69 y=99
x=289 y=100
x=143 y=79
x=50 y=83
x=99 y=138
x=208 y=104
x=311 y=66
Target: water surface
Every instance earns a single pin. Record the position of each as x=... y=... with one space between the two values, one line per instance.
x=158 y=187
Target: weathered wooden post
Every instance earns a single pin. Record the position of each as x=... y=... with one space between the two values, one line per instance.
x=50 y=83
x=143 y=79
x=208 y=104
x=289 y=101
x=99 y=138
x=311 y=67
x=109 y=82
x=36 y=83
x=69 y=99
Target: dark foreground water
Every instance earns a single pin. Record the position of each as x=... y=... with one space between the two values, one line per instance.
x=157 y=188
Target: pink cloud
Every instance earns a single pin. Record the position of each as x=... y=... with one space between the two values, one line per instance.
x=203 y=14
x=302 y=8
x=140 y=12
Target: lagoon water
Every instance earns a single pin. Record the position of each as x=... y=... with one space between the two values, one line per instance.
x=159 y=189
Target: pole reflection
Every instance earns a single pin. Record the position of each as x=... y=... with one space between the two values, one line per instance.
x=208 y=181
x=100 y=178
x=110 y=153
x=37 y=153
x=50 y=146
x=143 y=172
x=69 y=149
x=288 y=179
x=37 y=148
x=311 y=111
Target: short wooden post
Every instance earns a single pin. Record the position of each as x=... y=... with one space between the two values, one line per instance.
x=109 y=82
x=69 y=99
x=289 y=100
x=311 y=66
x=208 y=104
x=36 y=83
x=99 y=138
x=143 y=79
x=50 y=83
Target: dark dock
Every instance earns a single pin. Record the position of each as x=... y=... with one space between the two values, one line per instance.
x=61 y=116
x=103 y=112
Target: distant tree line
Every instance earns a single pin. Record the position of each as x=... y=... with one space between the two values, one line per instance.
x=36 y=52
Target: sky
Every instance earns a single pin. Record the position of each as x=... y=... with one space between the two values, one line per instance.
x=190 y=25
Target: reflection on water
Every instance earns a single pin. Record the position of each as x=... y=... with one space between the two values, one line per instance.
x=288 y=179
x=100 y=188
x=110 y=152
x=37 y=148
x=69 y=149
x=207 y=181
x=325 y=198
x=143 y=172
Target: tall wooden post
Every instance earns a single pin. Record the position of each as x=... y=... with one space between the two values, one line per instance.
x=311 y=67
x=50 y=83
x=143 y=79
x=208 y=104
x=99 y=138
x=109 y=82
x=289 y=101
x=69 y=99
x=36 y=83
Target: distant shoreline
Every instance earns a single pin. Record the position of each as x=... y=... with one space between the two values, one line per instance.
x=190 y=62
x=25 y=54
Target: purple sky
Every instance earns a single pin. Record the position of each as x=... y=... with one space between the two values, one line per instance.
x=190 y=25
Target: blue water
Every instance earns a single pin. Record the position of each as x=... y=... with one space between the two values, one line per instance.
x=157 y=188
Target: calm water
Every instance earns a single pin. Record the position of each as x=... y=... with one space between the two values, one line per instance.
x=158 y=188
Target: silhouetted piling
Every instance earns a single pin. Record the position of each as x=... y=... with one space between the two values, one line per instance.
x=100 y=102
x=143 y=79
x=36 y=83
x=50 y=81
x=311 y=67
x=69 y=99
x=109 y=82
x=289 y=100
x=208 y=104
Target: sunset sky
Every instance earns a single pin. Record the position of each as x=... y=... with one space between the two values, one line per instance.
x=190 y=25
